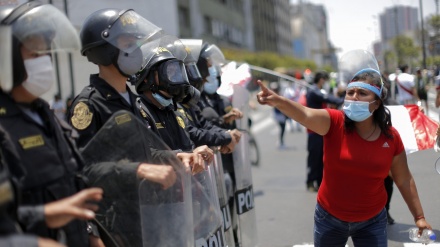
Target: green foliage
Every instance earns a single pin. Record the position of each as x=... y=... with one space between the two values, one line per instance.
x=434 y=23
x=434 y=60
x=268 y=60
x=405 y=49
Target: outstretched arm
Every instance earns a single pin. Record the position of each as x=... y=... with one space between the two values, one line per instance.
x=317 y=120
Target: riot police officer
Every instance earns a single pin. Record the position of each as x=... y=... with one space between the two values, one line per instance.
x=44 y=146
x=118 y=41
x=161 y=85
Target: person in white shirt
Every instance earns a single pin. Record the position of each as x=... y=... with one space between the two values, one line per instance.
x=405 y=86
x=59 y=107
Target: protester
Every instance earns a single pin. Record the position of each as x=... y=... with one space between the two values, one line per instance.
x=405 y=86
x=58 y=106
x=317 y=99
x=360 y=149
x=280 y=118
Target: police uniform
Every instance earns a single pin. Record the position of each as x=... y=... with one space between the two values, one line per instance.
x=49 y=158
x=202 y=131
x=10 y=234
x=170 y=126
x=96 y=104
x=221 y=105
x=91 y=109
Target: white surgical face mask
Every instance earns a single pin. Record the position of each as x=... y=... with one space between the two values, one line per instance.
x=40 y=76
x=130 y=63
x=211 y=86
x=357 y=111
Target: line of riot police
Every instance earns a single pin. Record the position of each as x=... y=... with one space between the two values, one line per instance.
x=168 y=161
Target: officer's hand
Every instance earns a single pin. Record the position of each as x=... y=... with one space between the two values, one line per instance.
x=267 y=96
x=236 y=134
x=206 y=153
x=77 y=206
x=161 y=174
x=192 y=161
x=95 y=241
x=47 y=242
x=225 y=149
x=232 y=115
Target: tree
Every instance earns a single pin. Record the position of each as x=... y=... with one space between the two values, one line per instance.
x=405 y=49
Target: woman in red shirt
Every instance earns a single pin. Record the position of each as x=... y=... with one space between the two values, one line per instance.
x=352 y=197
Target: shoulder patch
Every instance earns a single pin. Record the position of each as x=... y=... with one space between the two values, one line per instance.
x=180 y=122
x=228 y=108
x=82 y=116
x=31 y=141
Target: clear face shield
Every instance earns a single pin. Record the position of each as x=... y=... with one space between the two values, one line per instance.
x=193 y=48
x=5 y=59
x=136 y=38
x=48 y=24
x=214 y=56
x=360 y=62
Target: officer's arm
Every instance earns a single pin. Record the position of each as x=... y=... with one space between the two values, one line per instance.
x=84 y=119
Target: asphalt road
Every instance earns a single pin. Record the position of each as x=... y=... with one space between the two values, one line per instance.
x=285 y=209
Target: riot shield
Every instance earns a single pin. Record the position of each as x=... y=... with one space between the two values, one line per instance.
x=208 y=223
x=223 y=197
x=135 y=211
x=243 y=193
x=5 y=58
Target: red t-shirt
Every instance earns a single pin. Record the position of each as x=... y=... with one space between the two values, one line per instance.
x=352 y=188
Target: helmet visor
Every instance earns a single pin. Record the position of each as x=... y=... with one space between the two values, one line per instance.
x=214 y=55
x=131 y=31
x=193 y=48
x=48 y=24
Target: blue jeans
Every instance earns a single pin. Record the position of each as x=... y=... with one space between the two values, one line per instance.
x=332 y=232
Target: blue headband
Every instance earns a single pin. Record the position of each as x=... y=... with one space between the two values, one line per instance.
x=361 y=84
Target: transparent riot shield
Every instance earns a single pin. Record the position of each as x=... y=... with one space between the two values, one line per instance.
x=208 y=223
x=5 y=58
x=243 y=193
x=136 y=211
x=223 y=198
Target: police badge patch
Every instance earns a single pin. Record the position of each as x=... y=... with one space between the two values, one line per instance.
x=180 y=122
x=82 y=117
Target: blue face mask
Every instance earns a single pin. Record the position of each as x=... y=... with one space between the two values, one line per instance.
x=211 y=86
x=163 y=101
x=357 y=111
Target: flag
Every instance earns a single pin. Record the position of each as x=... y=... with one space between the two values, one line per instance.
x=418 y=131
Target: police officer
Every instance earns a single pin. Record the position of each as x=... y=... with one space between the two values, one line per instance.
x=54 y=214
x=201 y=130
x=226 y=114
x=44 y=146
x=118 y=41
x=161 y=84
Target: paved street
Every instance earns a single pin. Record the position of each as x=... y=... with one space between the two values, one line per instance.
x=285 y=209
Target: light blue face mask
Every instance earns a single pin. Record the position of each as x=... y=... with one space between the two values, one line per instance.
x=163 y=101
x=211 y=86
x=357 y=111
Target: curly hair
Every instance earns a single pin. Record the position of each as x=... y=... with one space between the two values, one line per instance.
x=382 y=115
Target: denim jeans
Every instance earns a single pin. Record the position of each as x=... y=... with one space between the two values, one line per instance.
x=332 y=232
